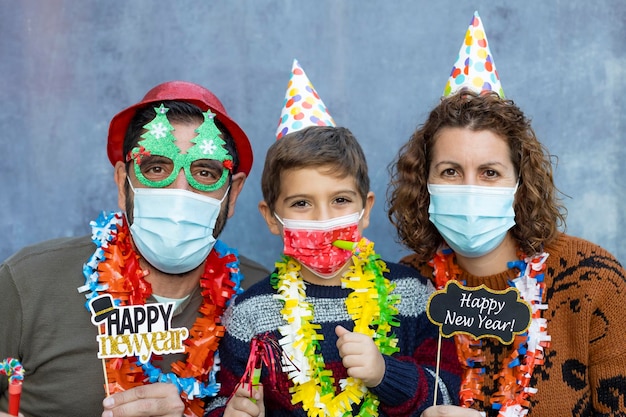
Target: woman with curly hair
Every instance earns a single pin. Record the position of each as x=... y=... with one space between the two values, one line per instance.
x=472 y=195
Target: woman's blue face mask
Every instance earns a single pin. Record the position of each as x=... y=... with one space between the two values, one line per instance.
x=473 y=220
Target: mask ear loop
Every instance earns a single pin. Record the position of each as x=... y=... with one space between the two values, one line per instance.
x=130 y=183
x=225 y=194
x=279 y=219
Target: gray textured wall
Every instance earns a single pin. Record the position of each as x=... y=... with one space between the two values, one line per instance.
x=66 y=67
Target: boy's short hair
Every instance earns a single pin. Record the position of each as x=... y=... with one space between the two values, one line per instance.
x=312 y=147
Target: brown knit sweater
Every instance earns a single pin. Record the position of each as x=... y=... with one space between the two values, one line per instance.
x=585 y=369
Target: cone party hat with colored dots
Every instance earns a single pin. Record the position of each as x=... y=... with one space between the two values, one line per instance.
x=474 y=68
x=302 y=106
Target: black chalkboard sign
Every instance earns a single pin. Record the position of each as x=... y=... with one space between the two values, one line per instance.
x=479 y=312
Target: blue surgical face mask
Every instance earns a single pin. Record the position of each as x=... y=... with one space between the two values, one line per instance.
x=472 y=219
x=173 y=228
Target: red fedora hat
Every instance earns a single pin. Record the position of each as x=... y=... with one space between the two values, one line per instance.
x=181 y=91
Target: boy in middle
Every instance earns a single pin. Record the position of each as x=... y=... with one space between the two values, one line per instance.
x=353 y=327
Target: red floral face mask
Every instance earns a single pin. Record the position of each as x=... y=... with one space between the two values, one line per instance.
x=310 y=242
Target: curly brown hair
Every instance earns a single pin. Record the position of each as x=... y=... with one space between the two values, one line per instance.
x=538 y=211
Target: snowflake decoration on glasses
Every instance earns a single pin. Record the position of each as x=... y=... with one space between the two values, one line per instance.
x=208 y=147
x=159 y=131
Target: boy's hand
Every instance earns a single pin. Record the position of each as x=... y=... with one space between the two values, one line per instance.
x=360 y=356
x=241 y=404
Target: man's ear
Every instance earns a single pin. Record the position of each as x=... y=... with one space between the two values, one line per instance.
x=270 y=219
x=236 y=185
x=119 y=175
x=367 y=209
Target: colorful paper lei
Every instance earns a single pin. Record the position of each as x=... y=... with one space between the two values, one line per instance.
x=373 y=309
x=514 y=391
x=114 y=268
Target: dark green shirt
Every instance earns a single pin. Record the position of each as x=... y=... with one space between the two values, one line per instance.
x=44 y=324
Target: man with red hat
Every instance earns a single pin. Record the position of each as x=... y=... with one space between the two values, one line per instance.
x=180 y=163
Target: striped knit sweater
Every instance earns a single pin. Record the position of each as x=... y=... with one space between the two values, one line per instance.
x=408 y=384
x=585 y=370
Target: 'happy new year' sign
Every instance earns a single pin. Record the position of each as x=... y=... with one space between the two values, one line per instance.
x=479 y=312
x=136 y=330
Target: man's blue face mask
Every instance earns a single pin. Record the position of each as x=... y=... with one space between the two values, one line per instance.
x=173 y=228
